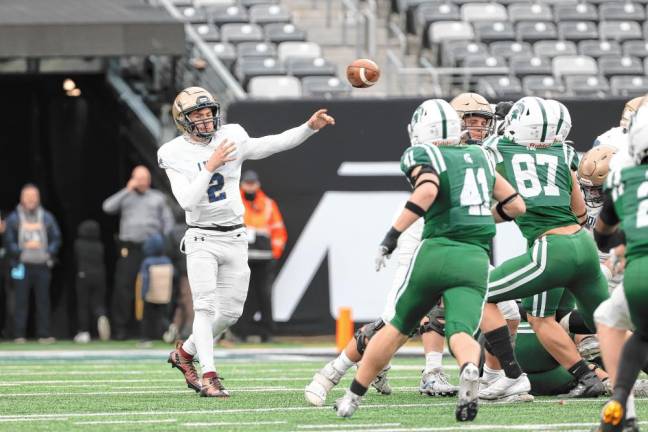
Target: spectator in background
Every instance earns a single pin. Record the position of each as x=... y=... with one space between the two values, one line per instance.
x=182 y=322
x=156 y=287
x=267 y=240
x=90 y=282
x=32 y=239
x=144 y=212
x=7 y=304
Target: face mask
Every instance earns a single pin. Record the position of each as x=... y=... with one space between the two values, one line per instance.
x=250 y=196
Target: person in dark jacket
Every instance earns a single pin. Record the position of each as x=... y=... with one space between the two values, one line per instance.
x=155 y=288
x=90 y=282
x=32 y=239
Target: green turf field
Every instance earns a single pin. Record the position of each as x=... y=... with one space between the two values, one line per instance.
x=267 y=395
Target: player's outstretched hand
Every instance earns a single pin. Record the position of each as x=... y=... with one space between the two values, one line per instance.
x=221 y=155
x=382 y=257
x=320 y=119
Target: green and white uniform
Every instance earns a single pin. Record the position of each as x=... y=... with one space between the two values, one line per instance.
x=456 y=236
x=629 y=190
x=543 y=177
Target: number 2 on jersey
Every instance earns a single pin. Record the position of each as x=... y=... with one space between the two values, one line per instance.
x=215 y=185
x=527 y=180
x=475 y=197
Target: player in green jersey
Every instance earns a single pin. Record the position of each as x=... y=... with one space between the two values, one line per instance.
x=626 y=204
x=453 y=186
x=532 y=155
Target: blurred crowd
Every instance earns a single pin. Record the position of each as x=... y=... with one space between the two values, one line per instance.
x=149 y=298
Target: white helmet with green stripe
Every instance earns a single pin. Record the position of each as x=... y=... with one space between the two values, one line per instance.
x=638 y=135
x=435 y=122
x=534 y=121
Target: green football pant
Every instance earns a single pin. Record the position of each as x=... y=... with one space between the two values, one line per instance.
x=546 y=375
x=635 y=285
x=554 y=261
x=442 y=268
x=549 y=303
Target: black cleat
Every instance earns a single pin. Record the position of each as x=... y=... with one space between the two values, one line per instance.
x=588 y=386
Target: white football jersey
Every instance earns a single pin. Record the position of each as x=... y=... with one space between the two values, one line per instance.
x=221 y=203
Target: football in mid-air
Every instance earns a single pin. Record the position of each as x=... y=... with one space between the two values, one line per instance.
x=363 y=73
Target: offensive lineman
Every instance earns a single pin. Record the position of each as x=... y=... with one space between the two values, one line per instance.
x=204 y=168
x=453 y=185
x=625 y=203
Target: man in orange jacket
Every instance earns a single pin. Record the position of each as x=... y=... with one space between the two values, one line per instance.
x=267 y=240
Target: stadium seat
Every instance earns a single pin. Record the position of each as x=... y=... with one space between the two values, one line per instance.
x=510 y=49
x=617 y=65
x=534 y=31
x=256 y=49
x=494 y=31
x=543 y=86
x=553 y=48
x=428 y=13
x=250 y=3
x=193 y=15
x=578 y=30
x=225 y=52
x=530 y=12
x=499 y=87
x=227 y=15
x=209 y=3
x=584 y=85
x=574 y=65
x=278 y=32
x=620 y=30
x=450 y=30
x=408 y=13
x=455 y=51
x=237 y=33
x=621 y=11
x=480 y=61
x=629 y=86
x=274 y=87
x=576 y=12
x=207 y=32
x=325 y=87
x=483 y=12
x=301 y=68
x=524 y=66
x=299 y=49
x=637 y=48
x=599 y=48
x=249 y=67
x=266 y=14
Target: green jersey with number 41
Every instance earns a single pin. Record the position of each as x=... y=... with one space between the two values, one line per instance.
x=461 y=210
x=629 y=190
x=543 y=177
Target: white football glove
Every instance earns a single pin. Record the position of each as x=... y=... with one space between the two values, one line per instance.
x=381 y=257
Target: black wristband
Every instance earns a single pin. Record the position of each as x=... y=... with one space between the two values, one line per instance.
x=415 y=208
x=391 y=240
x=500 y=211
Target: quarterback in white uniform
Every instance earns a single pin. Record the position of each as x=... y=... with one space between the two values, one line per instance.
x=204 y=168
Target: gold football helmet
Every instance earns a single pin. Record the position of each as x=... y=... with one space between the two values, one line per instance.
x=192 y=99
x=592 y=172
x=470 y=105
x=628 y=110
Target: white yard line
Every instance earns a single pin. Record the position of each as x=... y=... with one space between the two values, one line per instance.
x=106 y=422
x=486 y=427
x=206 y=424
x=10 y=420
x=337 y=425
x=141 y=392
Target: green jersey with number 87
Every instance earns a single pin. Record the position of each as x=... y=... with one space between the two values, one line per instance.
x=461 y=210
x=543 y=177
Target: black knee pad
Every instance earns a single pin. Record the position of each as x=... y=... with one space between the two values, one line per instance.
x=434 y=324
x=364 y=335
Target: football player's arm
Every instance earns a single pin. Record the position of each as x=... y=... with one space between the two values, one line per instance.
x=577 y=201
x=259 y=148
x=188 y=193
x=426 y=188
x=509 y=203
x=606 y=231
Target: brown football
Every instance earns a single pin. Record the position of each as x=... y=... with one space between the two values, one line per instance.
x=363 y=73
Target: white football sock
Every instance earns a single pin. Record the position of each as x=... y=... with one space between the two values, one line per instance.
x=203 y=338
x=488 y=372
x=342 y=362
x=189 y=346
x=433 y=360
x=631 y=412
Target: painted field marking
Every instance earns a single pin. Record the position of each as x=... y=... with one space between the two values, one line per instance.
x=206 y=424
x=106 y=422
x=496 y=427
x=337 y=425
